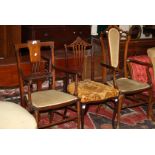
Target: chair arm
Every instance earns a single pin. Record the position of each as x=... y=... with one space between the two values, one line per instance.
x=65 y=70
x=108 y=66
x=140 y=62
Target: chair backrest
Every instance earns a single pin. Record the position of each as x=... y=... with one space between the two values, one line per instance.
x=35 y=56
x=39 y=60
x=112 y=36
x=77 y=51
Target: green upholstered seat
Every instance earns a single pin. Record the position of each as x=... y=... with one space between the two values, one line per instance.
x=50 y=97
x=128 y=85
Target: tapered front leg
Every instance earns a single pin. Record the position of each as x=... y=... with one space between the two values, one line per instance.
x=120 y=102
x=115 y=112
x=83 y=107
x=36 y=114
x=78 y=114
x=150 y=106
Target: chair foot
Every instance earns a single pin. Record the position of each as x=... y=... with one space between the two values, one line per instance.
x=115 y=125
x=118 y=125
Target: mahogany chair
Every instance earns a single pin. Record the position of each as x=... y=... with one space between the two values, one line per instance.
x=39 y=98
x=128 y=88
x=88 y=91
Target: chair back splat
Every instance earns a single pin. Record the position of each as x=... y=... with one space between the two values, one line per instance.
x=78 y=50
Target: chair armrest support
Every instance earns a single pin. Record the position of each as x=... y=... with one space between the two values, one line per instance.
x=114 y=70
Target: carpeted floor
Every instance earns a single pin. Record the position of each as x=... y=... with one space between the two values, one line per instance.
x=131 y=118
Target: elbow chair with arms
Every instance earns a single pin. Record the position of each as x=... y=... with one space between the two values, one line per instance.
x=41 y=99
x=139 y=72
x=128 y=88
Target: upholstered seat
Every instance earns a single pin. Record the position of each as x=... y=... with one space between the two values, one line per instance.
x=13 y=116
x=129 y=85
x=50 y=97
x=89 y=91
x=151 y=54
x=150 y=51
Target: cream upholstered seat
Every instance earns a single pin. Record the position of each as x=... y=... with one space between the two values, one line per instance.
x=50 y=97
x=151 y=54
x=150 y=51
x=126 y=85
x=13 y=116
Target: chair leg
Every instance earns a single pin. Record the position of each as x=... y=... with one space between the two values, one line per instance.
x=36 y=114
x=150 y=106
x=78 y=114
x=98 y=108
x=65 y=112
x=114 y=113
x=83 y=107
x=119 y=107
x=50 y=115
x=22 y=101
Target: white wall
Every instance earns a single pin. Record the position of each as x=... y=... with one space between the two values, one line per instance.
x=123 y=27
x=143 y=36
x=94 y=30
x=127 y=27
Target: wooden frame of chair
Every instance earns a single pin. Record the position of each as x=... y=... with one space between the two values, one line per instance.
x=79 y=47
x=75 y=46
x=38 y=74
x=116 y=34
